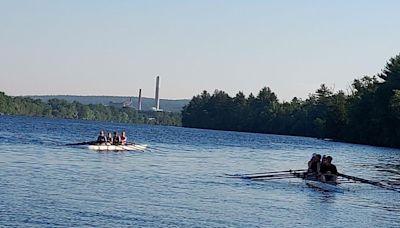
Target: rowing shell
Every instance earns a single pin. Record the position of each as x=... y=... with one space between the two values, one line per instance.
x=325 y=186
x=130 y=147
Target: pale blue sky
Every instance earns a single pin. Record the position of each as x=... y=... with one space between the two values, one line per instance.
x=116 y=47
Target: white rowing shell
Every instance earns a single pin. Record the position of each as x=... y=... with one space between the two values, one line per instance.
x=324 y=186
x=129 y=147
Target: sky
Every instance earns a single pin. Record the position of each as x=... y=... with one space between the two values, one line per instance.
x=95 y=47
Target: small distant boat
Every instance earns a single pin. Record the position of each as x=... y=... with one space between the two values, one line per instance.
x=128 y=147
x=312 y=181
x=300 y=173
x=93 y=145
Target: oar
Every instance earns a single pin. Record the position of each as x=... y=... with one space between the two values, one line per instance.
x=266 y=173
x=376 y=183
x=81 y=143
x=268 y=176
x=273 y=178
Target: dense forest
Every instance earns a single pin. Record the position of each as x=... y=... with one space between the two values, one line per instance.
x=56 y=108
x=369 y=113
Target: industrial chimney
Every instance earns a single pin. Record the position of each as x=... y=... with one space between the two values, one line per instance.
x=157 y=98
x=140 y=100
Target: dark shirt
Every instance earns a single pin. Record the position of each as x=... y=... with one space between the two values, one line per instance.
x=116 y=140
x=329 y=168
x=314 y=167
x=101 y=139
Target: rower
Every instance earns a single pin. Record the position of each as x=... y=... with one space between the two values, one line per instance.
x=323 y=160
x=123 y=138
x=102 y=138
x=328 y=170
x=116 y=139
x=311 y=161
x=314 y=166
x=109 y=138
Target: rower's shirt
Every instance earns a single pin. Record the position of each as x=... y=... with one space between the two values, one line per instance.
x=101 y=139
x=329 y=168
x=123 y=139
x=116 y=139
x=314 y=167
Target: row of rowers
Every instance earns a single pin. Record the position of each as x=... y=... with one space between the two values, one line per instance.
x=115 y=139
x=322 y=168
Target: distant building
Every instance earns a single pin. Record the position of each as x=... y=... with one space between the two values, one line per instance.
x=128 y=103
x=157 y=96
x=125 y=104
x=139 y=108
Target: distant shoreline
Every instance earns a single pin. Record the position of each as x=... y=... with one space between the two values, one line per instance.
x=172 y=105
x=58 y=108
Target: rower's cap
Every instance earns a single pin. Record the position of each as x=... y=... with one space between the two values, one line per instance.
x=313 y=155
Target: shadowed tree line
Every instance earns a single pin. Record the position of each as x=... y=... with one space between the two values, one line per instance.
x=368 y=114
x=56 y=108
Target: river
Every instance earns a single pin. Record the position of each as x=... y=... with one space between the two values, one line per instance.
x=179 y=181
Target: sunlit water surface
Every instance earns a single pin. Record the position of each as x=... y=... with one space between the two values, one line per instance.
x=179 y=181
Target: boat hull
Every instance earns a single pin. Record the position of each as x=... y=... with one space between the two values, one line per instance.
x=329 y=187
x=130 y=147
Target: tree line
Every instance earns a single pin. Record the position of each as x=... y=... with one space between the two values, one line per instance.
x=56 y=108
x=368 y=114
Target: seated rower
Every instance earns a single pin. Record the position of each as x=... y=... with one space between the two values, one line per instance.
x=323 y=160
x=328 y=170
x=102 y=138
x=123 y=138
x=109 y=138
x=314 y=166
x=116 y=139
x=311 y=161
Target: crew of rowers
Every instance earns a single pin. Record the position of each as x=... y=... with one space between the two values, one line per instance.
x=110 y=139
x=322 y=168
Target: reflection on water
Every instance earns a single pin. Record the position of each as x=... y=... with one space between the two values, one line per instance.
x=179 y=181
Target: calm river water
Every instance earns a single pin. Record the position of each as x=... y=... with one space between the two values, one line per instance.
x=179 y=182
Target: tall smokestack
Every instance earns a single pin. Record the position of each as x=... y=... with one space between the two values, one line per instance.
x=140 y=101
x=157 y=106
